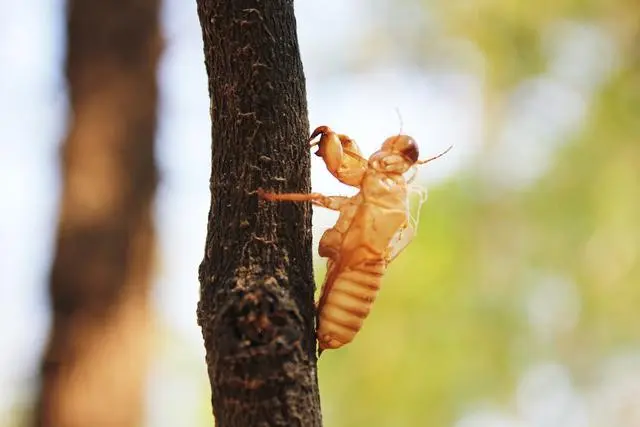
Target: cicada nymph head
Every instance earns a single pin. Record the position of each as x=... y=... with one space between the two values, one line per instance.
x=402 y=144
x=400 y=153
x=397 y=154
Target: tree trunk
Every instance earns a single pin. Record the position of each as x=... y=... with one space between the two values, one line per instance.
x=94 y=367
x=256 y=308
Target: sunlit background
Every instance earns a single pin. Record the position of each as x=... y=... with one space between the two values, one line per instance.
x=517 y=304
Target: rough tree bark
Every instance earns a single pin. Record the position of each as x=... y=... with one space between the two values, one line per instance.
x=94 y=367
x=256 y=306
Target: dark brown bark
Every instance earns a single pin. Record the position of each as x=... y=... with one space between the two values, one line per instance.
x=256 y=307
x=94 y=367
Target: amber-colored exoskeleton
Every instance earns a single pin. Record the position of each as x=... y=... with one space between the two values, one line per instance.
x=373 y=227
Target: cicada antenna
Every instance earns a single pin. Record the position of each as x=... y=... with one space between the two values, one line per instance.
x=400 y=120
x=422 y=162
x=397 y=109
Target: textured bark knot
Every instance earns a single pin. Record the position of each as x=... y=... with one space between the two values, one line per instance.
x=265 y=320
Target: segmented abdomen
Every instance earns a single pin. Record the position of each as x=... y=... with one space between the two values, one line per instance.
x=346 y=301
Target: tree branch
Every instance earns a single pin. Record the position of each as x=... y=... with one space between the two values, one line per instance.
x=256 y=307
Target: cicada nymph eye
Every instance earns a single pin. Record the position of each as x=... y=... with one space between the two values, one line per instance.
x=410 y=150
x=402 y=144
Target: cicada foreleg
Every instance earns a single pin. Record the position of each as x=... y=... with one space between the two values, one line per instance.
x=341 y=155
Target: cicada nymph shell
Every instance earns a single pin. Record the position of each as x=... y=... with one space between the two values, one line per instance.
x=372 y=229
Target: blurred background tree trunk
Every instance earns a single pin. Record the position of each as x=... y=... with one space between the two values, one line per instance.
x=256 y=307
x=95 y=365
